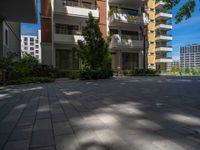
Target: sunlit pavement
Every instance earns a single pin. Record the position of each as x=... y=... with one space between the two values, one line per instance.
x=142 y=113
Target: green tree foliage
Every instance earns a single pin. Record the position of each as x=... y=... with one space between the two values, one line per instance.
x=93 y=51
x=186 y=10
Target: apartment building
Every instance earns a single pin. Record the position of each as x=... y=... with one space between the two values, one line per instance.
x=159 y=51
x=190 y=56
x=10 y=18
x=174 y=63
x=31 y=45
x=62 y=22
x=126 y=22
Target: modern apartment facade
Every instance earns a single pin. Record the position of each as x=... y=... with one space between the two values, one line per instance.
x=31 y=45
x=124 y=21
x=10 y=18
x=190 y=56
x=62 y=22
x=158 y=37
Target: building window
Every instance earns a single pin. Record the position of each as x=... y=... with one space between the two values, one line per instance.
x=37 y=56
x=36 y=41
x=152 y=20
x=113 y=31
x=32 y=53
x=151 y=42
x=32 y=39
x=25 y=39
x=25 y=48
x=31 y=48
x=151 y=31
x=67 y=29
x=37 y=51
x=25 y=43
x=36 y=46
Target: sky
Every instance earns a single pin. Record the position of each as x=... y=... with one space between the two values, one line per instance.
x=31 y=29
x=186 y=32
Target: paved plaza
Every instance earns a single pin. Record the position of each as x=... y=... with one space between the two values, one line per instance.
x=141 y=113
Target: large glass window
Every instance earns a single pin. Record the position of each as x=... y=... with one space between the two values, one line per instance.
x=67 y=29
x=113 y=31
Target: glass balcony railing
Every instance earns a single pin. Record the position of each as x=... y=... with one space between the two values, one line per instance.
x=80 y=4
x=68 y=32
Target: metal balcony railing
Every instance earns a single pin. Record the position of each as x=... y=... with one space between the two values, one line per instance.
x=80 y=4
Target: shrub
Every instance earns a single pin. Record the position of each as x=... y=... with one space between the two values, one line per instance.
x=43 y=71
x=27 y=80
x=90 y=74
x=62 y=73
x=74 y=74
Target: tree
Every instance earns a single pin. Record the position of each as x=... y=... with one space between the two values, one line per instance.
x=186 y=10
x=93 y=51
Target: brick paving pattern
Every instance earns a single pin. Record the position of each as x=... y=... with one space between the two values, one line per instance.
x=141 y=113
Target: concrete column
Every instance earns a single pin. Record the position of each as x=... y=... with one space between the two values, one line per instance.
x=119 y=53
x=1 y=38
x=141 y=58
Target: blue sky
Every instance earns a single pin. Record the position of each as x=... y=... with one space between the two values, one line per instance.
x=31 y=29
x=186 y=32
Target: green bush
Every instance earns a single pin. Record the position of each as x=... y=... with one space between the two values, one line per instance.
x=74 y=74
x=27 y=80
x=90 y=74
x=141 y=72
x=62 y=73
x=43 y=71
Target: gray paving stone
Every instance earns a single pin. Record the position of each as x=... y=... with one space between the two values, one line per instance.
x=43 y=124
x=21 y=133
x=26 y=121
x=43 y=115
x=62 y=128
x=139 y=113
x=60 y=117
x=17 y=145
x=42 y=138
x=66 y=142
x=44 y=148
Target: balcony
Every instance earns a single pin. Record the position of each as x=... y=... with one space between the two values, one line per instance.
x=164 y=37
x=164 y=49
x=124 y=17
x=160 y=3
x=135 y=3
x=164 y=60
x=77 y=9
x=164 y=26
x=164 y=15
x=124 y=41
x=72 y=37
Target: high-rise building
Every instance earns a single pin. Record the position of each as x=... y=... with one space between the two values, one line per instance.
x=126 y=22
x=11 y=14
x=158 y=37
x=31 y=45
x=190 y=56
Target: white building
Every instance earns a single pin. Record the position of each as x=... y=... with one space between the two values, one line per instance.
x=190 y=56
x=12 y=13
x=31 y=45
x=62 y=25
